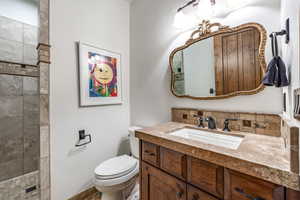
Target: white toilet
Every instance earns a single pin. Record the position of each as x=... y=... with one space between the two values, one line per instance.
x=117 y=174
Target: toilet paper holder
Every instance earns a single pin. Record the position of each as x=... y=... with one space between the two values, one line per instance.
x=83 y=136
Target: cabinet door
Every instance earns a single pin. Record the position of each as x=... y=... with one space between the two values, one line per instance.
x=173 y=162
x=206 y=176
x=243 y=187
x=157 y=185
x=292 y=194
x=196 y=194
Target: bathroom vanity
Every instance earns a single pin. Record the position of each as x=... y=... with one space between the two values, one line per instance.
x=215 y=155
x=180 y=168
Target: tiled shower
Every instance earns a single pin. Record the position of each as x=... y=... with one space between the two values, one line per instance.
x=18 y=41
x=19 y=113
x=19 y=126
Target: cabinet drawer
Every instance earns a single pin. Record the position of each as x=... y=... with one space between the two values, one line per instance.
x=173 y=162
x=196 y=194
x=206 y=176
x=150 y=153
x=292 y=195
x=243 y=187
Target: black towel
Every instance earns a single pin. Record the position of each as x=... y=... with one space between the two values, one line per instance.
x=276 y=72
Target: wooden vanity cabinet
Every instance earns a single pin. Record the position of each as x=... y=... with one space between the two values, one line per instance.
x=171 y=175
x=173 y=162
x=196 y=194
x=206 y=176
x=158 y=185
x=243 y=187
x=292 y=195
x=150 y=153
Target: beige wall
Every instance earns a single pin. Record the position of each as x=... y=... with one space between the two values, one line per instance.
x=104 y=24
x=153 y=38
x=290 y=52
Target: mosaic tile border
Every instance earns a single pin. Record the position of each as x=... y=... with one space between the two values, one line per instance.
x=15 y=188
x=18 y=69
x=264 y=124
x=43 y=65
x=290 y=135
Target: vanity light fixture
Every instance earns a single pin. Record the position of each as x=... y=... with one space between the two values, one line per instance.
x=192 y=2
x=185 y=21
x=207 y=9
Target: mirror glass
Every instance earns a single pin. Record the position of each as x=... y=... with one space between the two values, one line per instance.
x=225 y=64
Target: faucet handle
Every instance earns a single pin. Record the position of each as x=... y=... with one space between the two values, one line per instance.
x=200 y=120
x=226 y=124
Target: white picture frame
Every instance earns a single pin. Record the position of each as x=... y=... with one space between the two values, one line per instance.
x=100 y=76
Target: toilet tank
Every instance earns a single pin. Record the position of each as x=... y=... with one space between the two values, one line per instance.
x=134 y=142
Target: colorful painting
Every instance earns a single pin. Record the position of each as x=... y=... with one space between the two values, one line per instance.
x=103 y=76
x=100 y=76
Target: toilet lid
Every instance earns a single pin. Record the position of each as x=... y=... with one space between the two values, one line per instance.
x=116 y=167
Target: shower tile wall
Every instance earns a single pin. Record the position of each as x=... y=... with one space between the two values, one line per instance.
x=19 y=125
x=15 y=188
x=18 y=42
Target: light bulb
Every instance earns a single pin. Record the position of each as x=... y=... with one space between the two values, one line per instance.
x=236 y=4
x=205 y=11
x=221 y=9
x=182 y=21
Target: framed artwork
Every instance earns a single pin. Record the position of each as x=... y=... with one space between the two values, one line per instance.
x=100 y=76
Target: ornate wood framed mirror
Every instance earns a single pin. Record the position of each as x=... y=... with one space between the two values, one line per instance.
x=219 y=62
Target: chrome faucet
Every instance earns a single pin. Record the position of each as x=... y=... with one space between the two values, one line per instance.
x=211 y=123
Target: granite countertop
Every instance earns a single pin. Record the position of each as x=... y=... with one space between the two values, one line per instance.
x=261 y=156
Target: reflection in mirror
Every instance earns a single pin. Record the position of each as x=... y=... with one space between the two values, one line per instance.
x=195 y=79
x=220 y=64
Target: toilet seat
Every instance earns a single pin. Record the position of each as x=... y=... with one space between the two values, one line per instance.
x=116 y=170
x=116 y=181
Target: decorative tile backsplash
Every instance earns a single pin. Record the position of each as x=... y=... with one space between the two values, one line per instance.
x=291 y=138
x=265 y=124
x=24 y=187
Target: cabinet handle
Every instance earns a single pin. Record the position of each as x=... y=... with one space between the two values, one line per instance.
x=179 y=194
x=149 y=153
x=196 y=197
x=248 y=196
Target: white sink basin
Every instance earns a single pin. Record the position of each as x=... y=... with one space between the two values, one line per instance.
x=222 y=140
